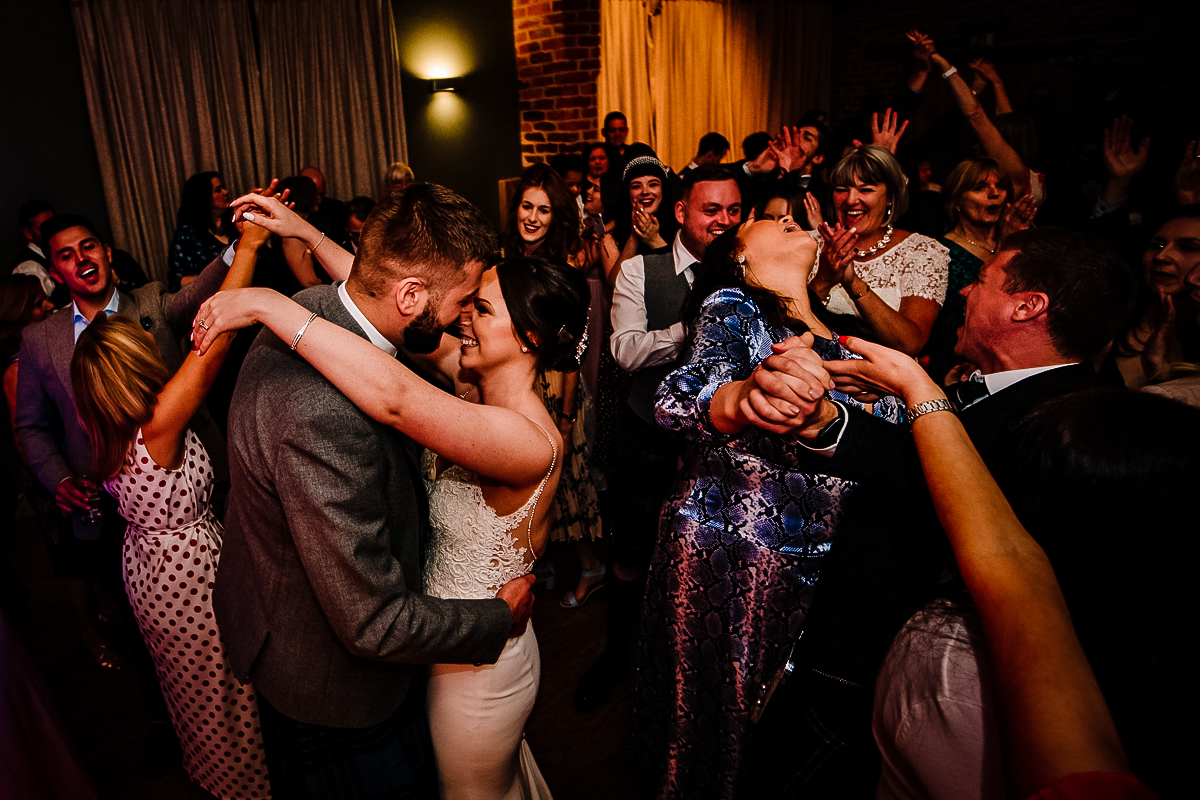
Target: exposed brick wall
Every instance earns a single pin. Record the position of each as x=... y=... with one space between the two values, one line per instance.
x=558 y=61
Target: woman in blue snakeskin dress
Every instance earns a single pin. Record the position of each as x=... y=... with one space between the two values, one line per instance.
x=742 y=535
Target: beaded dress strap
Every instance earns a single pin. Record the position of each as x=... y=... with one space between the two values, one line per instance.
x=541 y=487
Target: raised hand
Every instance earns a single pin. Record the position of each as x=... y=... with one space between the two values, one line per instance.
x=886 y=135
x=272 y=213
x=518 y=593
x=812 y=210
x=766 y=163
x=786 y=147
x=986 y=70
x=1187 y=177
x=1017 y=216
x=646 y=227
x=1120 y=159
x=923 y=47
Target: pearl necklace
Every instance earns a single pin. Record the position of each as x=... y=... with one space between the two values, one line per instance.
x=875 y=248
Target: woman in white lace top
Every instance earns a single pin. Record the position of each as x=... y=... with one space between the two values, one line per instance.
x=895 y=281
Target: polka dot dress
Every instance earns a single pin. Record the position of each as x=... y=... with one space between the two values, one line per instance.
x=171 y=550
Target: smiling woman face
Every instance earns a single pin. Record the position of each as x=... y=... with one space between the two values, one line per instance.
x=646 y=193
x=534 y=217
x=487 y=330
x=1174 y=251
x=861 y=205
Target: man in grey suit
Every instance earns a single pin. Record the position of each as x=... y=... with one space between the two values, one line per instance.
x=318 y=594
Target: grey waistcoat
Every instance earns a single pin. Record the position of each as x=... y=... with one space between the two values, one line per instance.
x=665 y=293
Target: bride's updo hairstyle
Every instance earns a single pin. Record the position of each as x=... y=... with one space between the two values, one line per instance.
x=548 y=304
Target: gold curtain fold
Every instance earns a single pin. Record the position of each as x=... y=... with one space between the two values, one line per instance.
x=687 y=67
x=172 y=89
x=331 y=90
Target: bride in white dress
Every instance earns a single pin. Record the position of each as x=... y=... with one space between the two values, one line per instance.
x=494 y=466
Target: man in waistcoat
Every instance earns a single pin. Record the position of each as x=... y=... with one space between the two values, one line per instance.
x=648 y=338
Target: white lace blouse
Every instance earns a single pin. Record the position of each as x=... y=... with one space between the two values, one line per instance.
x=916 y=267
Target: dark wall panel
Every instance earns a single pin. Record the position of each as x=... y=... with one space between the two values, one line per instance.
x=469 y=139
x=46 y=145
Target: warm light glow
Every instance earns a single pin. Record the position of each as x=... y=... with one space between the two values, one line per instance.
x=436 y=51
x=445 y=112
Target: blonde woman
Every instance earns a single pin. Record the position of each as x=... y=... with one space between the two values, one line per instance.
x=894 y=280
x=136 y=417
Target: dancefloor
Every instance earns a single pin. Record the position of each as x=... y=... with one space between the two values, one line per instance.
x=582 y=756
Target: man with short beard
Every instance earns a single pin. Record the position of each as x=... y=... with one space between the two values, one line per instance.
x=647 y=341
x=319 y=591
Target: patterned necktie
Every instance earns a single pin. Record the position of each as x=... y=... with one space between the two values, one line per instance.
x=969 y=392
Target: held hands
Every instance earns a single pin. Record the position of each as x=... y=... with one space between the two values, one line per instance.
x=882 y=371
x=271 y=212
x=227 y=311
x=887 y=135
x=75 y=494
x=784 y=394
x=923 y=47
x=1017 y=216
x=518 y=594
x=1120 y=159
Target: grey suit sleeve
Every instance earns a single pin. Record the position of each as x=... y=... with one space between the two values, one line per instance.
x=328 y=477
x=180 y=308
x=37 y=420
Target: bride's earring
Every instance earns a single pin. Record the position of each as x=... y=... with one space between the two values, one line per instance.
x=524 y=349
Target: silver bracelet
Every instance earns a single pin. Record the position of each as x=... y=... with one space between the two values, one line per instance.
x=949 y=72
x=314 y=249
x=928 y=407
x=303 y=328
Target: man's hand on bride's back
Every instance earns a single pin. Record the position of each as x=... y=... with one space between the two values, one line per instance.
x=519 y=596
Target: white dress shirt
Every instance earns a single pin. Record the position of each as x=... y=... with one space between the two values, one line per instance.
x=633 y=346
x=81 y=322
x=372 y=332
x=35 y=269
x=1002 y=380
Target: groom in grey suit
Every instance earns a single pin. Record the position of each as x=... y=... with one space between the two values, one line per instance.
x=318 y=593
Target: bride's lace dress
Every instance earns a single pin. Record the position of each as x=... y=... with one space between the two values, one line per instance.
x=477 y=714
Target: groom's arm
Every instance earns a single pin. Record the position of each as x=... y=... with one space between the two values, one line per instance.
x=329 y=477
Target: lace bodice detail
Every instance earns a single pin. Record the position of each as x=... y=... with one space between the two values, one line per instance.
x=916 y=267
x=472 y=551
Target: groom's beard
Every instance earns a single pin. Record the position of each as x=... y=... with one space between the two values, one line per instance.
x=423 y=335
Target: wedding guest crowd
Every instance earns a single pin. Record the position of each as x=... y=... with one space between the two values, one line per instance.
x=884 y=479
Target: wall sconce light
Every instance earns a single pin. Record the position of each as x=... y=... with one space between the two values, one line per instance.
x=445 y=85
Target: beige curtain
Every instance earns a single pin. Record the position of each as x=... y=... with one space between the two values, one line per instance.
x=331 y=90
x=687 y=67
x=172 y=89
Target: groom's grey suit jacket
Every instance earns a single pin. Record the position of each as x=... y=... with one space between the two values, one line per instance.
x=318 y=592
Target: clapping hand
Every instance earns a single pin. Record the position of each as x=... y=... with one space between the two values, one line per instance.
x=986 y=70
x=887 y=135
x=812 y=210
x=923 y=47
x=645 y=225
x=1120 y=159
x=1017 y=216
x=837 y=257
x=1187 y=177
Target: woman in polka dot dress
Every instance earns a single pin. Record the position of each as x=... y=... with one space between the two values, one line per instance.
x=137 y=417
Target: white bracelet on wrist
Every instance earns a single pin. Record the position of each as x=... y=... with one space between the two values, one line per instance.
x=949 y=72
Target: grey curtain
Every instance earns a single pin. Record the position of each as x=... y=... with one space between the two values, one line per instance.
x=331 y=90
x=174 y=87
